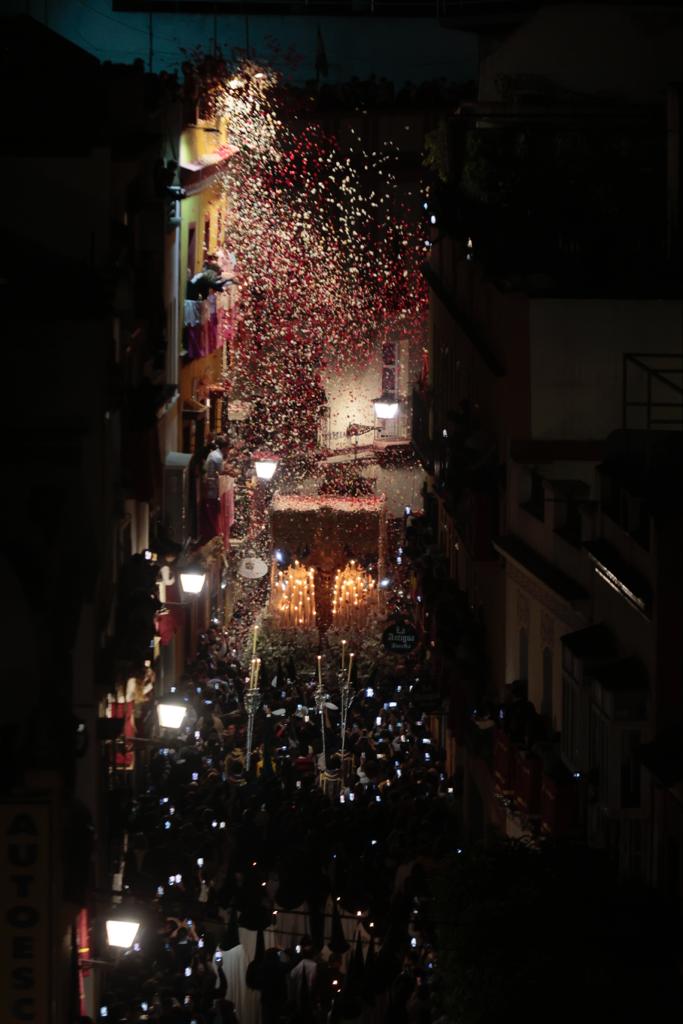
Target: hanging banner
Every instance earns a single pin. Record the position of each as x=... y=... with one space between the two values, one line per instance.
x=27 y=946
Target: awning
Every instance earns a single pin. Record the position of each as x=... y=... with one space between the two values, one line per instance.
x=592 y=643
x=193 y=176
x=514 y=549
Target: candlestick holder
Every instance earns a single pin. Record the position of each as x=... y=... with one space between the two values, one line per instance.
x=346 y=699
x=321 y=698
x=252 y=702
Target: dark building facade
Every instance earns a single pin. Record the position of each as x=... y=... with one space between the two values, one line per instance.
x=555 y=370
x=85 y=159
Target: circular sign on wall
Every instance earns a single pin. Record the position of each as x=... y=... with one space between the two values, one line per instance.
x=400 y=637
x=252 y=568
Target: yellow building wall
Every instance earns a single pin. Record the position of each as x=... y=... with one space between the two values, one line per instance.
x=197 y=145
x=193 y=211
x=199 y=370
x=198 y=142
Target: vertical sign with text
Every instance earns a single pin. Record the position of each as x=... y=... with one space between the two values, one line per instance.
x=26 y=935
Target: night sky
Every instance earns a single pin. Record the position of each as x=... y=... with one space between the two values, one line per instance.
x=402 y=49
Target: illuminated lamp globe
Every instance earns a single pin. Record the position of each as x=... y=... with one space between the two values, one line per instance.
x=192 y=581
x=265 y=466
x=170 y=715
x=121 y=933
x=386 y=407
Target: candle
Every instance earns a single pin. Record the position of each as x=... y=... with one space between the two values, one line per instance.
x=351 y=657
x=343 y=652
x=297 y=606
x=320 y=671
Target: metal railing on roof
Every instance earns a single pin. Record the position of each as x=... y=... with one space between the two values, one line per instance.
x=653 y=391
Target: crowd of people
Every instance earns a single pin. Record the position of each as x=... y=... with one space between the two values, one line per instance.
x=325 y=886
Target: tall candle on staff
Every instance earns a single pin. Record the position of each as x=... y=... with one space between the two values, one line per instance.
x=343 y=652
x=351 y=657
x=320 y=671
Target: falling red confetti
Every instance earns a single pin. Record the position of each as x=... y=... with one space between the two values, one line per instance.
x=326 y=257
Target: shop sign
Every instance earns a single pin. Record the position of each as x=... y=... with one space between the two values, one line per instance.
x=27 y=945
x=400 y=637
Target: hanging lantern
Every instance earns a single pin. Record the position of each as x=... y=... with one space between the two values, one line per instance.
x=192 y=581
x=121 y=933
x=265 y=466
x=386 y=407
x=170 y=715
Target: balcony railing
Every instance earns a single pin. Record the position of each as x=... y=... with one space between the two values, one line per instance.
x=653 y=391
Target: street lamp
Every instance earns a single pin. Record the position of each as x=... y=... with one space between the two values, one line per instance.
x=170 y=715
x=121 y=933
x=386 y=407
x=265 y=466
x=192 y=581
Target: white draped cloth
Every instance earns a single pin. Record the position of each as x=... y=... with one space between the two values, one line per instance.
x=288 y=927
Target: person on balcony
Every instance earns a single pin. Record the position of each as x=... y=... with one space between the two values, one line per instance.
x=213 y=466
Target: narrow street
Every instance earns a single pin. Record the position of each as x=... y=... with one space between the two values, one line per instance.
x=278 y=840
x=243 y=860
x=342 y=544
